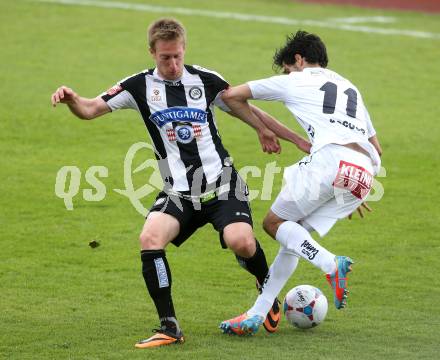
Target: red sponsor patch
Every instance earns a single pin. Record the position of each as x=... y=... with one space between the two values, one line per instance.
x=114 y=90
x=353 y=178
x=197 y=130
x=171 y=135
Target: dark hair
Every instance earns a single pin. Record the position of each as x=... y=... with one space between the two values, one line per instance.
x=309 y=46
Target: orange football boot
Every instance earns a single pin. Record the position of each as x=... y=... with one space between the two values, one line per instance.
x=273 y=317
x=161 y=338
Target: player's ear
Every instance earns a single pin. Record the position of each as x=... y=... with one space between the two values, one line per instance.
x=298 y=60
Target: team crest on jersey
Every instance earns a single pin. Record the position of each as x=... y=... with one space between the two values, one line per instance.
x=114 y=90
x=195 y=93
x=156 y=95
x=184 y=133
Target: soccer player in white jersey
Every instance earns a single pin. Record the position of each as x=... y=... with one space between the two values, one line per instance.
x=326 y=186
x=176 y=103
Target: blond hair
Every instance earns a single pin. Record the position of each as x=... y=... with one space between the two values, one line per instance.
x=167 y=29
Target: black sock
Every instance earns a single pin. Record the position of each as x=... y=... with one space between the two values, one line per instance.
x=256 y=265
x=157 y=276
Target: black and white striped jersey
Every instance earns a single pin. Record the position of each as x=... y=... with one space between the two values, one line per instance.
x=179 y=116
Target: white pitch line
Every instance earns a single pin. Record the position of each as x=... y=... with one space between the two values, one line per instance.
x=364 y=19
x=246 y=17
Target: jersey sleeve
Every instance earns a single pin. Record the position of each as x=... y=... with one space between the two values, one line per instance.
x=273 y=88
x=220 y=86
x=216 y=84
x=120 y=95
x=220 y=103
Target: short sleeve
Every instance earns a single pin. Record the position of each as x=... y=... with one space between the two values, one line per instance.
x=272 y=89
x=214 y=84
x=218 y=101
x=119 y=96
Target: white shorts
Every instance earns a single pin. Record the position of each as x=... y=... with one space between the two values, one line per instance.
x=324 y=187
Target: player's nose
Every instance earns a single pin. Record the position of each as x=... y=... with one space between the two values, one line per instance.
x=174 y=66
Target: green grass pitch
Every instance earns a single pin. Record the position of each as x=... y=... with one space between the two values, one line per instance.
x=61 y=299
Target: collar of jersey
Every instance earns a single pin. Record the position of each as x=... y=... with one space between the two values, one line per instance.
x=313 y=68
x=158 y=77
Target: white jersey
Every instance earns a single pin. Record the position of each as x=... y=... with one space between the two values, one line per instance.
x=329 y=107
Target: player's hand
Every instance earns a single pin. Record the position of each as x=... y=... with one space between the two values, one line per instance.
x=304 y=145
x=269 y=141
x=360 y=210
x=63 y=95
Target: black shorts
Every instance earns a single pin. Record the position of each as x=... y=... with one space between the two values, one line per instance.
x=220 y=210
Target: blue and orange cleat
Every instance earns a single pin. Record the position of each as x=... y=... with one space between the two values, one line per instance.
x=242 y=325
x=338 y=280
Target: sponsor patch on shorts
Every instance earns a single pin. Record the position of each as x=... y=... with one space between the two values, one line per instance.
x=353 y=178
x=161 y=271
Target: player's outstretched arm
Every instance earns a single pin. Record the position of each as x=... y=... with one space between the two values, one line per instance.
x=83 y=108
x=281 y=130
x=236 y=99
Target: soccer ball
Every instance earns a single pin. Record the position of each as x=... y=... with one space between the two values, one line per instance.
x=305 y=306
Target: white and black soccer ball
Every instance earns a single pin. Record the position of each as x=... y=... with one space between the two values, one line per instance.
x=305 y=306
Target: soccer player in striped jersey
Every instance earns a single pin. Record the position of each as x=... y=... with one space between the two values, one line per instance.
x=320 y=189
x=176 y=103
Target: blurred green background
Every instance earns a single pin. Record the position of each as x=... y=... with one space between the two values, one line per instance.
x=61 y=299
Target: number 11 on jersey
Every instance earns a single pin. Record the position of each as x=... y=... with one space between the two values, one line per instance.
x=330 y=94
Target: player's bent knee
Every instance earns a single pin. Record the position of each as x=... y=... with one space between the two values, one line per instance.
x=242 y=245
x=239 y=237
x=150 y=240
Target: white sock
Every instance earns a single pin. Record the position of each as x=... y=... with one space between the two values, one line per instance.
x=280 y=271
x=295 y=237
